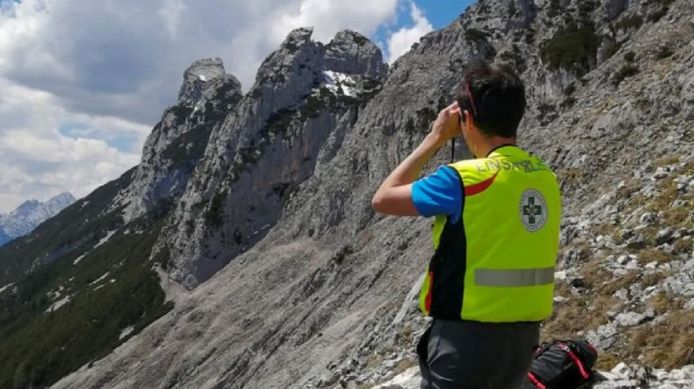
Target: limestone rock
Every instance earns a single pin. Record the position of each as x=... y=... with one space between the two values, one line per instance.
x=176 y=144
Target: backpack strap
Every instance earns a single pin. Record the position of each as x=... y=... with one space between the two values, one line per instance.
x=535 y=381
x=574 y=358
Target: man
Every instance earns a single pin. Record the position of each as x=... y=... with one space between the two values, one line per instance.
x=490 y=281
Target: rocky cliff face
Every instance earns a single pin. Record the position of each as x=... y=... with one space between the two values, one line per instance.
x=212 y=151
x=83 y=281
x=178 y=141
x=305 y=99
x=326 y=296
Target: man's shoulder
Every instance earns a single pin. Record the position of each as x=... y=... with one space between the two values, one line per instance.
x=463 y=164
x=472 y=171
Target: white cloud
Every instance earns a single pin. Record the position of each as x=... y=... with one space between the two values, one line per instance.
x=84 y=81
x=37 y=161
x=400 y=41
x=330 y=16
x=171 y=14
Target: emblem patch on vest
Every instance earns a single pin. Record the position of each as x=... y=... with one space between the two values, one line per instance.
x=533 y=210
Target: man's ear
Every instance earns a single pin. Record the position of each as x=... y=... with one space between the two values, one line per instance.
x=467 y=121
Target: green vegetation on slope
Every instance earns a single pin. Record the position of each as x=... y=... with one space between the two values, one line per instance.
x=82 y=224
x=573 y=50
x=85 y=258
x=112 y=287
x=189 y=147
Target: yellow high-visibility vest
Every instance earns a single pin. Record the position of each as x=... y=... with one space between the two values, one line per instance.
x=496 y=263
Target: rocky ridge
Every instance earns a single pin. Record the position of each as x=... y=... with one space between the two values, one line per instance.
x=86 y=280
x=83 y=281
x=178 y=141
x=305 y=98
x=326 y=297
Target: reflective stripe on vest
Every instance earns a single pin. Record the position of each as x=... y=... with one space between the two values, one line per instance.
x=496 y=264
x=514 y=277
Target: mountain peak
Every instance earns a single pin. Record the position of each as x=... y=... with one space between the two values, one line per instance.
x=299 y=36
x=62 y=198
x=30 y=214
x=351 y=52
x=348 y=35
x=205 y=69
x=26 y=206
x=198 y=75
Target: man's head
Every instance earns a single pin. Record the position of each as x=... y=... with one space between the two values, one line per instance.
x=492 y=96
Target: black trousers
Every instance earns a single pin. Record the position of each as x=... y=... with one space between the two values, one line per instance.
x=474 y=355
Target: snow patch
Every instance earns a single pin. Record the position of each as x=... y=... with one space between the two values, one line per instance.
x=99 y=243
x=202 y=78
x=104 y=239
x=54 y=294
x=126 y=331
x=78 y=259
x=56 y=305
x=6 y=286
x=111 y=281
x=103 y=277
x=336 y=81
x=263 y=228
x=135 y=232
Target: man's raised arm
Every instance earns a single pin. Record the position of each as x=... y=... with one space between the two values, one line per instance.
x=394 y=196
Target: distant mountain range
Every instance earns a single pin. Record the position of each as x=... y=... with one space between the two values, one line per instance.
x=29 y=215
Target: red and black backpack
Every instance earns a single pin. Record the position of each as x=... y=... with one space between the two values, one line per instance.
x=562 y=364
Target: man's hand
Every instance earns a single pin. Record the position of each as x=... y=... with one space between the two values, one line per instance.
x=447 y=124
x=394 y=197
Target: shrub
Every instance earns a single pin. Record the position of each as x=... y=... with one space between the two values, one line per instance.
x=630 y=56
x=215 y=214
x=360 y=39
x=629 y=22
x=473 y=35
x=612 y=49
x=572 y=50
x=316 y=103
x=188 y=147
x=570 y=89
x=586 y=7
x=554 y=8
x=657 y=15
x=568 y=102
x=664 y=52
x=625 y=71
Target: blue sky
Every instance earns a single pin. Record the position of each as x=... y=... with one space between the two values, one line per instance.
x=442 y=12
x=437 y=13
x=83 y=82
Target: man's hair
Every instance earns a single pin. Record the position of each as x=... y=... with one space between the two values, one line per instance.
x=494 y=95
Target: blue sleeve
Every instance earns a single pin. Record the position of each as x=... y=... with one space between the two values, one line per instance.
x=438 y=194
